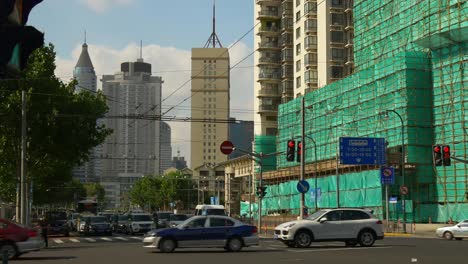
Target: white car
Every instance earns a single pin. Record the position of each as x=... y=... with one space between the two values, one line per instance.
x=350 y=225
x=139 y=223
x=458 y=231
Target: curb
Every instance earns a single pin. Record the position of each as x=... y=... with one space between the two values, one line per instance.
x=398 y=235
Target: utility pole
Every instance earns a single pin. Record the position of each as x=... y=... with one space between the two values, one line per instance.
x=260 y=183
x=23 y=187
x=302 y=203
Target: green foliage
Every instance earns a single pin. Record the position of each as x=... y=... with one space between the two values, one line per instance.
x=157 y=192
x=95 y=191
x=61 y=128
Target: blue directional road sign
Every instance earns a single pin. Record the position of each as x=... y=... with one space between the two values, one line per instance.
x=393 y=200
x=362 y=151
x=387 y=175
x=303 y=186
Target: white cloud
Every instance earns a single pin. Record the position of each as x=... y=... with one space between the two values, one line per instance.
x=101 y=6
x=174 y=67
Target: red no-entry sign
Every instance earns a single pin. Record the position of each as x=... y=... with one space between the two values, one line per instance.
x=226 y=147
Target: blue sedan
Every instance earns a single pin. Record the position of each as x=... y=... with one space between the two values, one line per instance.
x=210 y=231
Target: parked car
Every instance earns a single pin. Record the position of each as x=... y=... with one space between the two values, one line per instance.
x=176 y=219
x=204 y=231
x=71 y=222
x=458 y=231
x=17 y=239
x=119 y=223
x=208 y=209
x=58 y=223
x=139 y=223
x=94 y=225
x=161 y=219
x=350 y=225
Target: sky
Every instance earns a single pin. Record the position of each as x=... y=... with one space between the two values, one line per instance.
x=168 y=30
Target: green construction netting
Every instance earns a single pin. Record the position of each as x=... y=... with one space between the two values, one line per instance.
x=266 y=145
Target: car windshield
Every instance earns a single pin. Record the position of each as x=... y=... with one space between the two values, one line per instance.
x=53 y=216
x=141 y=218
x=178 y=217
x=98 y=219
x=315 y=215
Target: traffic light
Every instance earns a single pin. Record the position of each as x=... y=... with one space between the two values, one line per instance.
x=437 y=155
x=17 y=40
x=261 y=191
x=299 y=151
x=291 y=148
x=446 y=155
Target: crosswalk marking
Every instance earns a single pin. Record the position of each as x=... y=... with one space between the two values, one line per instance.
x=58 y=241
x=137 y=238
x=74 y=240
x=106 y=239
x=121 y=238
x=90 y=239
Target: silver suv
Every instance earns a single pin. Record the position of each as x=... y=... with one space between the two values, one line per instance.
x=350 y=225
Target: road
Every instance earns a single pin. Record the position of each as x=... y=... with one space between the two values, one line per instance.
x=387 y=251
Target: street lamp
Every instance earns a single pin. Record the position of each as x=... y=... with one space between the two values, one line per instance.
x=402 y=167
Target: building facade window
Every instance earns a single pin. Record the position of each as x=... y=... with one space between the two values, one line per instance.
x=298 y=82
x=336 y=72
x=337 y=36
x=298 y=16
x=337 y=54
x=298 y=32
x=298 y=49
x=298 y=65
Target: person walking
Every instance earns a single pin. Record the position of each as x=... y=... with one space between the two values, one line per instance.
x=45 y=230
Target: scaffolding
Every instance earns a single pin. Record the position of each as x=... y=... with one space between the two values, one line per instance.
x=411 y=58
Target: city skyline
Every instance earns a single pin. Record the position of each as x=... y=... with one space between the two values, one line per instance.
x=167 y=46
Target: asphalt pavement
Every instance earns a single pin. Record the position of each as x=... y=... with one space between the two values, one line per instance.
x=392 y=250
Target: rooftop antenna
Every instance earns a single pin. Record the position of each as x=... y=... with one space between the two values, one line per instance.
x=213 y=39
x=141 y=52
x=85 y=36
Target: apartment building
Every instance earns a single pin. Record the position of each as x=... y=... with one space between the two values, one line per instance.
x=301 y=45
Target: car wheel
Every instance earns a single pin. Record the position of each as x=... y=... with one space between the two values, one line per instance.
x=10 y=248
x=167 y=246
x=234 y=244
x=448 y=235
x=350 y=243
x=366 y=238
x=303 y=239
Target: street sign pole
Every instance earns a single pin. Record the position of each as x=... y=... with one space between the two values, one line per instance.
x=301 y=214
x=386 y=206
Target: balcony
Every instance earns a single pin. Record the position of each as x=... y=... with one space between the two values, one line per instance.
x=269 y=76
x=287 y=71
x=268 y=14
x=269 y=92
x=264 y=30
x=287 y=55
x=267 y=108
x=286 y=39
x=269 y=60
x=287 y=86
x=259 y=2
x=349 y=27
x=287 y=24
x=268 y=45
x=310 y=62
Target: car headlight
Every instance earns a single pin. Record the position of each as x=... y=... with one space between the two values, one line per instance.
x=151 y=234
x=289 y=226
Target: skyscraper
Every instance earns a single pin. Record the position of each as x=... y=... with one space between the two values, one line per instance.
x=166 y=148
x=86 y=78
x=134 y=146
x=210 y=101
x=301 y=45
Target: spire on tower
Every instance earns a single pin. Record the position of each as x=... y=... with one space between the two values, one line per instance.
x=213 y=39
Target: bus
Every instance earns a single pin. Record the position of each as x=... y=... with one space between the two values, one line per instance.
x=87 y=206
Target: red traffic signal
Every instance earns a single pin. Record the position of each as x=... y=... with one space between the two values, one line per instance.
x=437 y=155
x=291 y=148
x=299 y=151
x=446 y=155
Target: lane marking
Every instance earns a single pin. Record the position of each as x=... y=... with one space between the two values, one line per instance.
x=106 y=239
x=90 y=239
x=121 y=238
x=74 y=240
x=137 y=238
x=58 y=241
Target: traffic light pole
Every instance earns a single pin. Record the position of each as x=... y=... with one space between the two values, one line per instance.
x=402 y=169
x=23 y=187
x=303 y=147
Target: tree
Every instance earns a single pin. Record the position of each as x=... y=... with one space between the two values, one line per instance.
x=97 y=192
x=61 y=128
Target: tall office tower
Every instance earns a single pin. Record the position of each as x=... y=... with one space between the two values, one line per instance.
x=241 y=134
x=166 y=148
x=301 y=45
x=210 y=101
x=134 y=146
x=86 y=78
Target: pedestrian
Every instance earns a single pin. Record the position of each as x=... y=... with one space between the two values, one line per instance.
x=44 y=230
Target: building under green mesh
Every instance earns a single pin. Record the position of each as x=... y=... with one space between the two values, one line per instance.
x=411 y=57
